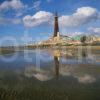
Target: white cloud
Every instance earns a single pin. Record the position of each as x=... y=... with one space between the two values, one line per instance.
x=40 y=74
x=82 y=16
x=14 y=4
x=79 y=75
x=39 y=18
x=75 y=34
x=16 y=21
x=10 y=20
x=86 y=79
x=42 y=77
x=37 y=5
x=18 y=14
x=94 y=30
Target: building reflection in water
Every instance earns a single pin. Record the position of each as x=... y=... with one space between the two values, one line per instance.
x=64 y=63
x=58 y=53
x=84 y=53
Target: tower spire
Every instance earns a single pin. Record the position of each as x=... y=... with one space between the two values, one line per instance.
x=56 y=26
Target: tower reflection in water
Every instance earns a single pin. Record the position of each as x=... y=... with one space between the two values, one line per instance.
x=56 y=60
x=57 y=55
x=63 y=63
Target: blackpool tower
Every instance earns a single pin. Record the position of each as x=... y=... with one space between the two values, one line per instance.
x=56 y=26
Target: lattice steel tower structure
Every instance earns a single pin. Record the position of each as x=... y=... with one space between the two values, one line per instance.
x=56 y=25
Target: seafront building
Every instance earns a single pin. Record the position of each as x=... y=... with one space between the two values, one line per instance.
x=59 y=39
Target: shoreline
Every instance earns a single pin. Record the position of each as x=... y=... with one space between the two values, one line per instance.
x=9 y=50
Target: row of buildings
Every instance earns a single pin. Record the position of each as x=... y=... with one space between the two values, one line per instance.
x=59 y=39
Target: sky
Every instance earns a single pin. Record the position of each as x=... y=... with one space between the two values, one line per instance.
x=34 y=19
